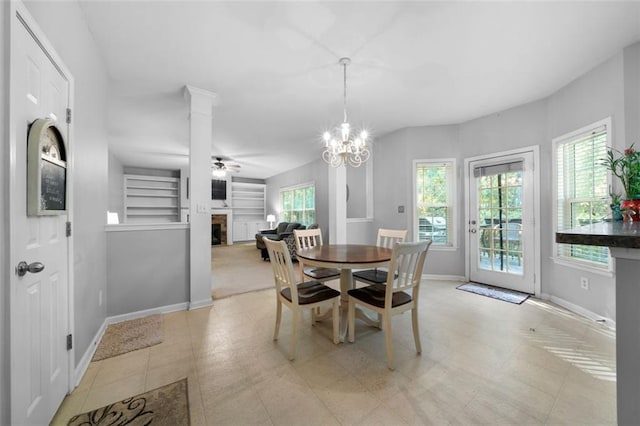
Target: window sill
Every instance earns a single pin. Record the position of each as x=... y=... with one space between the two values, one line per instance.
x=582 y=267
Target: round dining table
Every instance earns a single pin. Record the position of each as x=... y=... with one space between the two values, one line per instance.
x=346 y=257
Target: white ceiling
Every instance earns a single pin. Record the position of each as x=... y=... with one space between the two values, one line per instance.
x=274 y=66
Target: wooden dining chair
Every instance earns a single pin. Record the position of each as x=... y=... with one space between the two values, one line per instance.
x=298 y=296
x=393 y=298
x=306 y=238
x=386 y=238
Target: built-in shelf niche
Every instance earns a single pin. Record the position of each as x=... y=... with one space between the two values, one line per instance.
x=151 y=199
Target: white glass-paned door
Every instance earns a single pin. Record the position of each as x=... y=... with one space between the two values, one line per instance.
x=501 y=222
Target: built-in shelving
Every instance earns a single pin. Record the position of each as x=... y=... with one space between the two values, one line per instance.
x=151 y=199
x=248 y=204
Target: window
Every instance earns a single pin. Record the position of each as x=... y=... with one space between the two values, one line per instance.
x=298 y=204
x=434 y=202
x=582 y=189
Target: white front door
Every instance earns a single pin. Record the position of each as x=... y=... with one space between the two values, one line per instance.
x=501 y=221
x=39 y=302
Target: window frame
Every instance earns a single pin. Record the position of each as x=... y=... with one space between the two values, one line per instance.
x=292 y=188
x=452 y=202
x=559 y=256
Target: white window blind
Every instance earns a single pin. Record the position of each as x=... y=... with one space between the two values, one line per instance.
x=582 y=191
x=298 y=204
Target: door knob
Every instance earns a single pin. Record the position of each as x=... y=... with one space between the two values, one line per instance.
x=24 y=267
x=472 y=230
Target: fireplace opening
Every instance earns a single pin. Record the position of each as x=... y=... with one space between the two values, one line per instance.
x=216 y=234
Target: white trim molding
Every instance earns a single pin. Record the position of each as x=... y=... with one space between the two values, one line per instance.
x=576 y=309
x=81 y=369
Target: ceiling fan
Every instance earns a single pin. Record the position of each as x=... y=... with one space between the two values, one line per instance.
x=220 y=168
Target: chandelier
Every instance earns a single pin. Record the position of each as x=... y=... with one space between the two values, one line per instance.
x=341 y=147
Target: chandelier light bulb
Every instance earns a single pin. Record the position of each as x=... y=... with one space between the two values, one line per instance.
x=349 y=151
x=327 y=137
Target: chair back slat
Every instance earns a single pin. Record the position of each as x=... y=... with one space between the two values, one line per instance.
x=307 y=238
x=282 y=267
x=389 y=237
x=407 y=262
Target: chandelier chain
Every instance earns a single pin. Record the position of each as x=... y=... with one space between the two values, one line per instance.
x=344 y=65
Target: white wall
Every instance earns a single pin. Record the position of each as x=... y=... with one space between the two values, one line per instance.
x=63 y=24
x=116 y=186
x=596 y=95
x=518 y=127
x=611 y=89
x=392 y=185
x=357 y=197
x=4 y=203
x=315 y=171
x=632 y=94
x=146 y=268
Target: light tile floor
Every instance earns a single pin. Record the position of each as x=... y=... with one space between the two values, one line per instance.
x=484 y=362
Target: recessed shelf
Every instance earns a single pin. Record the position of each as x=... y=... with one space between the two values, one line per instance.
x=151 y=196
x=248 y=204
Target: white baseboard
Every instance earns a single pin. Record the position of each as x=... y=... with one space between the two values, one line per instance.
x=443 y=277
x=145 y=313
x=576 y=309
x=200 y=304
x=82 y=366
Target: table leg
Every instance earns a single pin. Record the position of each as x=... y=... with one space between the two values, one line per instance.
x=346 y=284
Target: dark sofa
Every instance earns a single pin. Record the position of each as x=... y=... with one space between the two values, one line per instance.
x=284 y=231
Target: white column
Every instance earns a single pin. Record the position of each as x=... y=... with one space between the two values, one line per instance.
x=201 y=104
x=337 y=205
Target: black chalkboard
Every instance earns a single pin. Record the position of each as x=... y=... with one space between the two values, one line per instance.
x=53 y=186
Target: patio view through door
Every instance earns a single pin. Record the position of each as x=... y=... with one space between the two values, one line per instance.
x=501 y=221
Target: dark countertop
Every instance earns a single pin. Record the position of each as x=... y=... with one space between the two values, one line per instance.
x=608 y=234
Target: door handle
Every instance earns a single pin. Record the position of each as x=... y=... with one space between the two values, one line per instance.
x=473 y=230
x=24 y=267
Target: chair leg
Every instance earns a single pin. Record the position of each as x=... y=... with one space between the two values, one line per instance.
x=294 y=333
x=388 y=339
x=352 y=319
x=336 y=321
x=278 y=318
x=416 y=331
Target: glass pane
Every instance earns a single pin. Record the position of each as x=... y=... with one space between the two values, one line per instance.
x=500 y=229
x=309 y=198
x=432 y=202
x=298 y=198
x=484 y=182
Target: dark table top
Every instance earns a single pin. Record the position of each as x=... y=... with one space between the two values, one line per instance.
x=607 y=234
x=346 y=253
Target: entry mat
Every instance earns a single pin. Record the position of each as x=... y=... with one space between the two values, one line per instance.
x=510 y=296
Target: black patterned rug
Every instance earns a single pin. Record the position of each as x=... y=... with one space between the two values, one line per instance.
x=504 y=294
x=166 y=405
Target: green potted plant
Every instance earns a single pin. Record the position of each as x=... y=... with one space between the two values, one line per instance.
x=616 y=199
x=626 y=167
